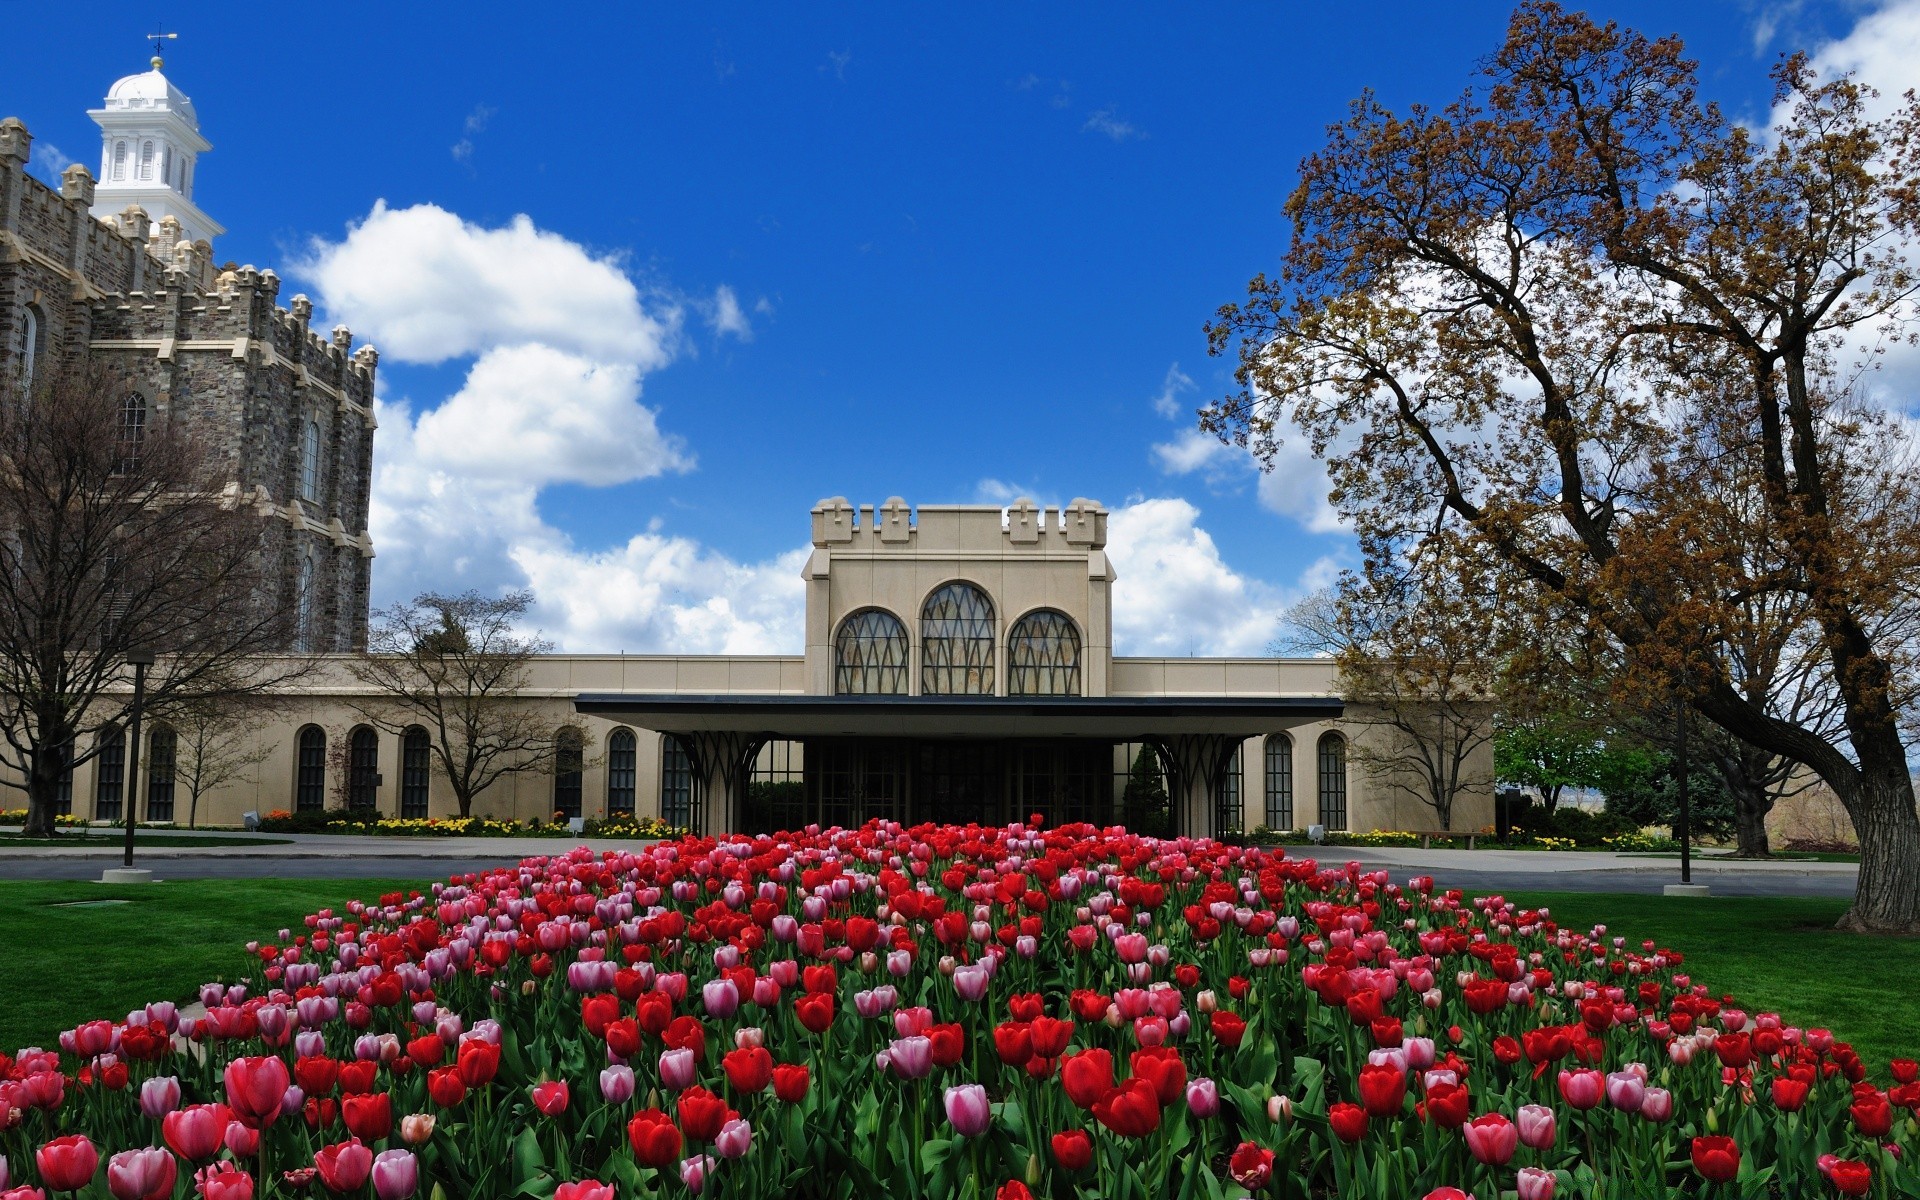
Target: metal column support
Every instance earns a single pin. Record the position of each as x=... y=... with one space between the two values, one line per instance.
x=722 y=765
x=1197 y=763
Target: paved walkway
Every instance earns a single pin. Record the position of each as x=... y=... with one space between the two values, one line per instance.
x=321 y=856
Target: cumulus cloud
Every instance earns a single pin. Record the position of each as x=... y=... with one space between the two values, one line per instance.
x=727 y=317
x=557 y=342
x=1296 y=487
x=1176 y=595
x=1167 y=403
x=1104 y=122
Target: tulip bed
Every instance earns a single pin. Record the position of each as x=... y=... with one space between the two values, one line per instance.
x=943 y=1011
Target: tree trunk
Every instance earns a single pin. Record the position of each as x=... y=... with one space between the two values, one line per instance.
x=43 y=785
x=1550 y=796
x=1887 y=897
x=1750 y=810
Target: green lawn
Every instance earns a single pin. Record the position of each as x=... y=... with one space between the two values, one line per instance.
x=1774 y=955
x=65 y=965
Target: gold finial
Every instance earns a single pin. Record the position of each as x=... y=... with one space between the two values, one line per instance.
x=156 y=38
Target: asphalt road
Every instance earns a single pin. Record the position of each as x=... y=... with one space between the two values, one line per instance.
x=1646 y=881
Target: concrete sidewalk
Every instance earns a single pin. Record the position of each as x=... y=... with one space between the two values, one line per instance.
x=1548 y=863
x=325 y=846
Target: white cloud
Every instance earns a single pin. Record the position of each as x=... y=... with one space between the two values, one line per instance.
x=1167 y=403
x=1295 y=487
x=999 y=491
x=1103 y=121
x=727 y=317
x=558 y=341
x=1176 y=596
x=475 y=124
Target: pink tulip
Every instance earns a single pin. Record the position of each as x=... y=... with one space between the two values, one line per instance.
x=223 y=1181
x=1583 y=1089
x=586 y=1189
x=911 y=1057
x=968 y=1110
x=1535 y=1184
x=970 y=981
x=616 y=1084
x=255 y=1087
x=67 y=1164
x=1536 y=1122
x=552 y=1097
x=1656 y=1105
x=241 y=1141
x=734 y=1139
x=159 y=1096
x=141 y=1174
x=1626 y=1090
x=720 y=997
x=1491 y=1139
x=693 y=1171
x=396 y=1174
x=676 y=1069
x=1203 y=1098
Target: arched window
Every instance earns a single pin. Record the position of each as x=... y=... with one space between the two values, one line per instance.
x=363 y=768
x=303 y=605
x=416 y=772
x=621 y=773
x=146 y=160
x=1279 y=782
x=1043 y=655
x=133 y=431
x=32 y=341
x=676 y=783
x=166 y=164
x=119 y=160
x=310 y=771
x=310 y=461
x=162 y=747
x=956 y=642
x=567 y=763
x=870 y=655
x=109 y=774
x=1229 y=807
x=1333 y=781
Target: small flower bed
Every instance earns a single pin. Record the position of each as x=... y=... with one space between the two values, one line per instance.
x=1641 y=842
x=945 y=1011
x=18 y=816
x=343 y=820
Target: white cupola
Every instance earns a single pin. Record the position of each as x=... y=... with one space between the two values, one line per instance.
x=149 y=142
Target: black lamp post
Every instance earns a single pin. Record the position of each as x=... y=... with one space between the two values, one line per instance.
x=140 y=661
x=1686 y=822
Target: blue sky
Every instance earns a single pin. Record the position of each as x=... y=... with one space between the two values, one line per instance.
x=765 y=255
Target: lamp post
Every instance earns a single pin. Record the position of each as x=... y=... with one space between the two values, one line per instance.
x=1686 y=814
x=140 y=660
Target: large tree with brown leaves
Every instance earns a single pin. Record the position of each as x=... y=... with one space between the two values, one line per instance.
x=1555 y=314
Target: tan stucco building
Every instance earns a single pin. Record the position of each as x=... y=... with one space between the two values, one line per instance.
x=958 y=666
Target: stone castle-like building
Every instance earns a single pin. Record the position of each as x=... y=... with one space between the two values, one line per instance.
x=121 y=267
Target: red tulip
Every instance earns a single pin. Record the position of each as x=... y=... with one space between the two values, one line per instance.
x=1789 y=1095
x=478 y=1062
x=790 y=1082
x=194 y=1132
x=1087 y=1077
x=369 y=1117
x=1161 y=1067
x=702 y=1114
x=316 y=1075
x=685 y=1032
x=1448 y=1105
x=344 y=1166
x=1872 y=1115
x=1228 y=1028
x=588 y=1189
x=1383 y=1089
x=1251 y=1166
x=1012 y=1189
x=224 y=1181
x=749 y=1069
x=357 y=1077
x=949 y=1042
x=815 y=1011
x=551 y=1097
x=1716 y=1158
x=1348 y=1121
x=1013 y=1042
x=1050 y=1036
x=597 y=1010
x=1072 y=1150
x=255 y=1088
x=656 y=1143
x=67 y=1163
x=623 y=1036
x=445 y=1087
x=1131 y=1110
x=426 y=1050
x=1850 y=1178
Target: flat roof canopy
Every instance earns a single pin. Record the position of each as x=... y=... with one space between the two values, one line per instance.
x=1113 y=718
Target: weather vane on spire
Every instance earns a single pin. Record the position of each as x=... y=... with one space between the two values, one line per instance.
x=158 y=36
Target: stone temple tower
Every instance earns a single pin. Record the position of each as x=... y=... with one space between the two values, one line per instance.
x=122 y=268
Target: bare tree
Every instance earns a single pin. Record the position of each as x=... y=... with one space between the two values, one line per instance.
x=457 y=665
x=216 y=748
x=118 y=532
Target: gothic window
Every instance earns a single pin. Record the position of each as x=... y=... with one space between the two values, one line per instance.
x=416 y=772
x=146 y=160
x=870 y=655
x=33 y=340
x=310 y=771
x=1279 y=782
x=310 y=461
x=1043 y=655
x=363 y=768
x=676 y=783
x=110 y=775
x=303 y=605
x=162 y=745
x=621 y=753
x=119 y=160
x=1333 y=781
x=133 y=431
x=570 y=750
x=1229 y=809
x=956 y=642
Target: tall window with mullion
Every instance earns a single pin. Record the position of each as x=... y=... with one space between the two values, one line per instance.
x=956 y=642
x=109 y=774
x=1279 y=774
x=870 y=655
x=1043 y=655
x=310 y=771
x=568 y=768
x=1333 y=781
x=363 y=768
x=622 y=772
x=416 y=772
x=1229 y=809
x=676 y=783
x=162 y=752
x=133 y=431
